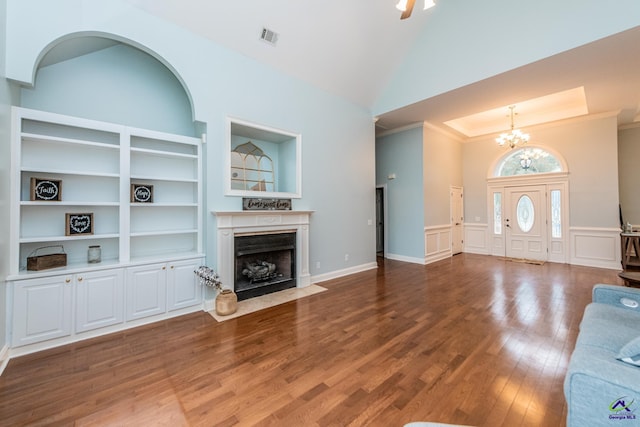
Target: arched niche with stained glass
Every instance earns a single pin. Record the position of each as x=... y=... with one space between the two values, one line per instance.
x=527 y=161
x=262 y=161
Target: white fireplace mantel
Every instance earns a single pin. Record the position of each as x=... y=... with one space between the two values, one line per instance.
x=235 y=223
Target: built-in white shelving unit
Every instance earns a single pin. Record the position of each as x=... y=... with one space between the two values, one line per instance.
x=96 y=164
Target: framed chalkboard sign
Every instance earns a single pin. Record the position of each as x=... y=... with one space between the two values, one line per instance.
x=141 y=193
x=78 y=223
x=46 y=190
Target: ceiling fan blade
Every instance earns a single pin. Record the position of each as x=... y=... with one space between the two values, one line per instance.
x=409 y=9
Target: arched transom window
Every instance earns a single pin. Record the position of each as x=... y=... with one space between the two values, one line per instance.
x=526 y=161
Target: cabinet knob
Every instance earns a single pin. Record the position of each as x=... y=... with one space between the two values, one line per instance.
x=164 y=267
x=79 y=279
x=67 y=280
x=172 y=267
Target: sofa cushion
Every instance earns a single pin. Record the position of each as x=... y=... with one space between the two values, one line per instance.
x=630 y=353
x=608 y=327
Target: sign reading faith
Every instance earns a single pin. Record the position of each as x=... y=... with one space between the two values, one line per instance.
x=49 y=190
x=251 y=204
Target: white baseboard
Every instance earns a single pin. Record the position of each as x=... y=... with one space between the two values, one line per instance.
x=344 y=272
x=4 y=358
x=412 y=260
x=437 y=257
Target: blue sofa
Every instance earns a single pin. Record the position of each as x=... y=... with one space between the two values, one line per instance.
x=602 y=385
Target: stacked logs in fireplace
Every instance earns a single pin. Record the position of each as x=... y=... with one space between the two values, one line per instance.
x=264 y=263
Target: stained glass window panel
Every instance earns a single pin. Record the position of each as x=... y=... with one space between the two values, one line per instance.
x=527 y=161
x=497 y=213
x=556 y=214
x=525 y=213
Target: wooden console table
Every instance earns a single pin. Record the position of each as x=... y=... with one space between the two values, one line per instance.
x=630 y=250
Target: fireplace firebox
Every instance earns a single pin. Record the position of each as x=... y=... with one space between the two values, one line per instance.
x=264 y=263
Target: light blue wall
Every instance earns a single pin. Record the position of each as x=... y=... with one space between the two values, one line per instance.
x=117 y=84
x=338 y=150
x=401 y=154
x=286 y=172
x=465 y=41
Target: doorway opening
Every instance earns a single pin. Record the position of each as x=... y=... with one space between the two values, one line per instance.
x=381 y=218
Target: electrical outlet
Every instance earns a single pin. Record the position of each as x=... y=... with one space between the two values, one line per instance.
x=318 y=264
x=346 y=257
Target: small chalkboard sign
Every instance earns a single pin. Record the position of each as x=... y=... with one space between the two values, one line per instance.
x=78 y=223
x=141 y=193
x=47 y=190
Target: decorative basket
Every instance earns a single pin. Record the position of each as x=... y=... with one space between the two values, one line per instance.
x=37 y=262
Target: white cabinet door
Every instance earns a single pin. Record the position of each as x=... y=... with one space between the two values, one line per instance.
x=41 y=309
x=99 y=299
x=146 y=291
x=184 y=290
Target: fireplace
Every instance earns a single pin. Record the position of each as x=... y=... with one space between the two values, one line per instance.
x=241 y=224
x=264 y=263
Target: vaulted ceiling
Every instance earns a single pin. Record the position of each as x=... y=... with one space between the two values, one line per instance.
x=352 y=48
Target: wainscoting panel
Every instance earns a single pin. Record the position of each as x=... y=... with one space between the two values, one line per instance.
x=437 y=243
x=475 y=239
x=595 y=247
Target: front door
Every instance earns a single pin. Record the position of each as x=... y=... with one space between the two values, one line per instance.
x=526 y=222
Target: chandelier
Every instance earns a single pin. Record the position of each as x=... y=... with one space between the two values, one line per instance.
x=527 y=157
x=515 y=137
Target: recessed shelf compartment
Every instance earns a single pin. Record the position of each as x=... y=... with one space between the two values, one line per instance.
x=30 y=137
x=155 y=220
x=159 y=245
x=77 y=189
x=165 y=168
x=156 y=143
x=79 y=159
x=169 y=192
x=76 y=250
x=49 y=221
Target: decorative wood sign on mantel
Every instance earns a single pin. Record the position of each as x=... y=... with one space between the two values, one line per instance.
x=253 y=204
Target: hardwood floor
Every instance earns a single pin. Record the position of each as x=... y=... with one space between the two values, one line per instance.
x=473 y=340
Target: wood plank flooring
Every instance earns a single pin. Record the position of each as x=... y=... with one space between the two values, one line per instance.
x=472 y=340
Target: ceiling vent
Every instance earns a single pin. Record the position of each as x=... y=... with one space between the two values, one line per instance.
x=269 y=36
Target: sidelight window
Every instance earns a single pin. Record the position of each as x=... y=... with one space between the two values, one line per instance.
x=556 y=214
x=497 y=213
